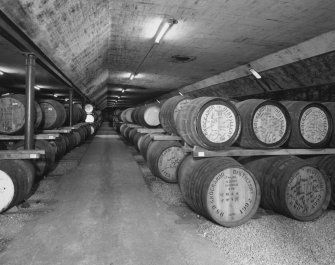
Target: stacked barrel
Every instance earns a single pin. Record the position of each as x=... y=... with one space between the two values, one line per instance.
x=226 y=190
x=92 y=115
x=18 y=176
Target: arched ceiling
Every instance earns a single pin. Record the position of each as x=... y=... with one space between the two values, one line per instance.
x=97 y=44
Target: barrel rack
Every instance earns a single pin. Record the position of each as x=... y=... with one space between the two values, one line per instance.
x=29 y=136
x=234 y=151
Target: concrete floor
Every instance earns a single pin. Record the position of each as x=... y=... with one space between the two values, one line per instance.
x=105 y=214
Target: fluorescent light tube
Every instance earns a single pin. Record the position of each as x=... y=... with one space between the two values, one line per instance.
x=255 y=74
x=162 y=32
x=180 y=93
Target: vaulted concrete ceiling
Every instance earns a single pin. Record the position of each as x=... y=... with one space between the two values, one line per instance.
x=99 y=43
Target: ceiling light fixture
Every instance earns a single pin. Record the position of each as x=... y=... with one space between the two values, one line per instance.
x=255 y=73
x=132 y=76
x=123 y=90
x=55 y=95
x=37 y=87
x=163 y=29
x=66 y=99
x=180 y=93
x=158 y=101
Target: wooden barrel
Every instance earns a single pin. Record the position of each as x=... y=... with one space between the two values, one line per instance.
x=46 y=162
x=16 y=181
x=148 y=116
x=132 y=135
x=68 y=143
x=144 y=145
x=265 y=124
x=83 y=134
x=129 y=115
x=291 y=186
x=210 y=122
x=139 y=142
x=327 y=163
x=89 y=108
x=126 y=132
x=122 y=128
x=164 y=158
x=134 y=115
x=54 y=114
x=169 y=111
x=79 y=115
x=136 y=138
x=331 y=108
x=76 y=138
x=90 y=118
x=220 y=189
x=12 y=114
x=123 y=115
x=311 y=124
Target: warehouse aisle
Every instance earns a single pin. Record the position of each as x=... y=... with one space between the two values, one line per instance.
x=106 y=215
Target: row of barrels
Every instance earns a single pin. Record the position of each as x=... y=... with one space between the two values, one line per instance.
x=147 y=116
x=229 y=191
x=49 y=114
x=17 y=177
x=216 y=123
x=92 y=114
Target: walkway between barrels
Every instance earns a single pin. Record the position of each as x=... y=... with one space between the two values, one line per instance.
x=105 y=214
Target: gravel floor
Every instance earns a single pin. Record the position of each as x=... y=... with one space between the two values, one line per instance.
x=268 y=238
x=40 y=202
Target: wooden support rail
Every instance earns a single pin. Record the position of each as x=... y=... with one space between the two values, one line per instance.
x=21 y=154
x=236 y=151
x=36 y=137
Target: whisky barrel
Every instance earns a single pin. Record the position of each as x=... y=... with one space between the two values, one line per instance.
x=327 y=163
x=331 y=108
x=311 y=124
x=136 y=139
x=89 y=108
x=144 y=145
x=148 y=116
x=134 y=115
x=82 y=112
x=139 y=142
x=76 y=138
x=46 y=162
x=220 y=189
x=131 y=135
x=169 y=111
x=265 y=124
x=126 y=132
x=129 y=115
x=16 y=181
x=164 y=158
x=210 y=122
x=70 y=142
x=83 y=134
x=12 y=114
x=90 y=118
x=291 y=186
x=54 y=114
x=122 y=128
x=123 y=115
x=79 y=115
